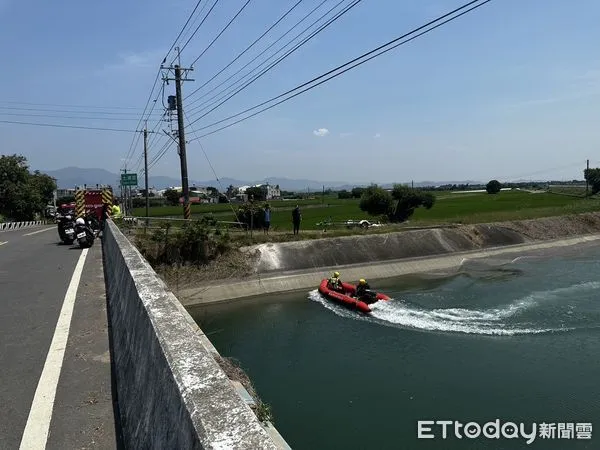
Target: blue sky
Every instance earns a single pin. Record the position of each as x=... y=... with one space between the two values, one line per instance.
x=510 y=90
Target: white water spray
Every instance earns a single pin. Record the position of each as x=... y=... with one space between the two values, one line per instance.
x=492 y=321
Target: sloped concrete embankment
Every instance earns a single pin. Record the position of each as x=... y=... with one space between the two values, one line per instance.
x=350 y=250
x=299 y=265
x=171 y=391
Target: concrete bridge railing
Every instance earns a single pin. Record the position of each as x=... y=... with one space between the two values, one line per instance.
x=172 y=393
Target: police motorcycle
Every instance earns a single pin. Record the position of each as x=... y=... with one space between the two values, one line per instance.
x=84 y=233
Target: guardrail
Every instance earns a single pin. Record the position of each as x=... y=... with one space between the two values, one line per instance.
x=16 y=225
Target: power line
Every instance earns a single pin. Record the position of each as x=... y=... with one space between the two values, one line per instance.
x=249 y=47
x=66 y=117
x=71 y=106
x=354 y=62
x=222 y=31
x=66 y=111
x=154 y=138
x=267 y=69
x=135 y=141
x=165 y=148
x=182 y=29
x=197 y=28
x=54 y=125
x=212 y=168
x=263 y=52
x=187 y=33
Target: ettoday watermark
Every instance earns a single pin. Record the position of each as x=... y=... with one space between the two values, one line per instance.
x=496 y=429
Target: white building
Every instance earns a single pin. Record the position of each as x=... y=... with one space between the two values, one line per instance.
x=271 y=192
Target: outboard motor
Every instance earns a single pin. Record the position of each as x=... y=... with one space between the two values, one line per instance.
x=369 y=297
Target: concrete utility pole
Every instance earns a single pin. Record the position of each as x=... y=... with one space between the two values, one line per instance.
x=146 y=170
x=182 y=154
x=124 y=196
x=586 y=180
x=181 y=132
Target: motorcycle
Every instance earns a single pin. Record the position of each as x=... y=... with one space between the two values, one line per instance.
x=66 y=229
x=84 y=234
x=93 y=223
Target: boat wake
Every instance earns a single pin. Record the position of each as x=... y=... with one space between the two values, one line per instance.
x=507 y=319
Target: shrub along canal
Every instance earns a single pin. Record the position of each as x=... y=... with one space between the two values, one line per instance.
x=516 y=340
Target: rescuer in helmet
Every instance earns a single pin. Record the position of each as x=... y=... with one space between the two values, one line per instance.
x=334 y=282
x=362 y=288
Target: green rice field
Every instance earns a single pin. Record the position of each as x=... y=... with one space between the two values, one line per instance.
x=449 y=208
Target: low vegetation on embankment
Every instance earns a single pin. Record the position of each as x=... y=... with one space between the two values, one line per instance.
x=204 y=251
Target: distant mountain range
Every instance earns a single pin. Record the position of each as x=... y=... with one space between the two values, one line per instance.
x=69 y=177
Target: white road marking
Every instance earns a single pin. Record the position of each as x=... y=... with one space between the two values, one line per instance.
x=39 y=231
x=35 y=435
x=2 y=243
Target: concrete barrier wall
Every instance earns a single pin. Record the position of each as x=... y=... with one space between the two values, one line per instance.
x=15 y=225
x=171 y=391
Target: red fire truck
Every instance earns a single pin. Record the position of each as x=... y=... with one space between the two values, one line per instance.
x=92 y=200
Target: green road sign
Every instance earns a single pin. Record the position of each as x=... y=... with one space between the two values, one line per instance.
x=129 y=179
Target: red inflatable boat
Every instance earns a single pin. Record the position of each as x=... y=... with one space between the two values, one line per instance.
x=347 y=298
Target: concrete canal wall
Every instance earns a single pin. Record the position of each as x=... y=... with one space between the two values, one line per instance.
x=301 y=265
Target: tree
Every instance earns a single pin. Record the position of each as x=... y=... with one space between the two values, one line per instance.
x=344 y=194
x=592 y=176
x=375 y=201
x=23 y=194
x=232 y=191
x=172 y=197
x=257 y=193
x=66 y=199
x=493 y=187
x=397 y=206
x=357 y=192
x=407 y=200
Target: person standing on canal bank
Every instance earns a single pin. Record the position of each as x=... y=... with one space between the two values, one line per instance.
x=267 y=219
x=296 y=219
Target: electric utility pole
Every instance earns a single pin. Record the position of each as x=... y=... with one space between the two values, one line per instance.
x=181 y=133
x=124 y=194
x=586 y=178
x=146 y=171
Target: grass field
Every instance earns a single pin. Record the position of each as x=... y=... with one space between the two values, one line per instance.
x=449 y=208
x=574 y=190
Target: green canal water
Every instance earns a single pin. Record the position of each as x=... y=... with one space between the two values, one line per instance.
x=511 y=339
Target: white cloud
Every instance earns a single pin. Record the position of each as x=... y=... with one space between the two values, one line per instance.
x=345 y=135
x=321 y=132
x=377 y=135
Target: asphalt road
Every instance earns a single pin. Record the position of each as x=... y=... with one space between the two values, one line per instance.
x=35 y=273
